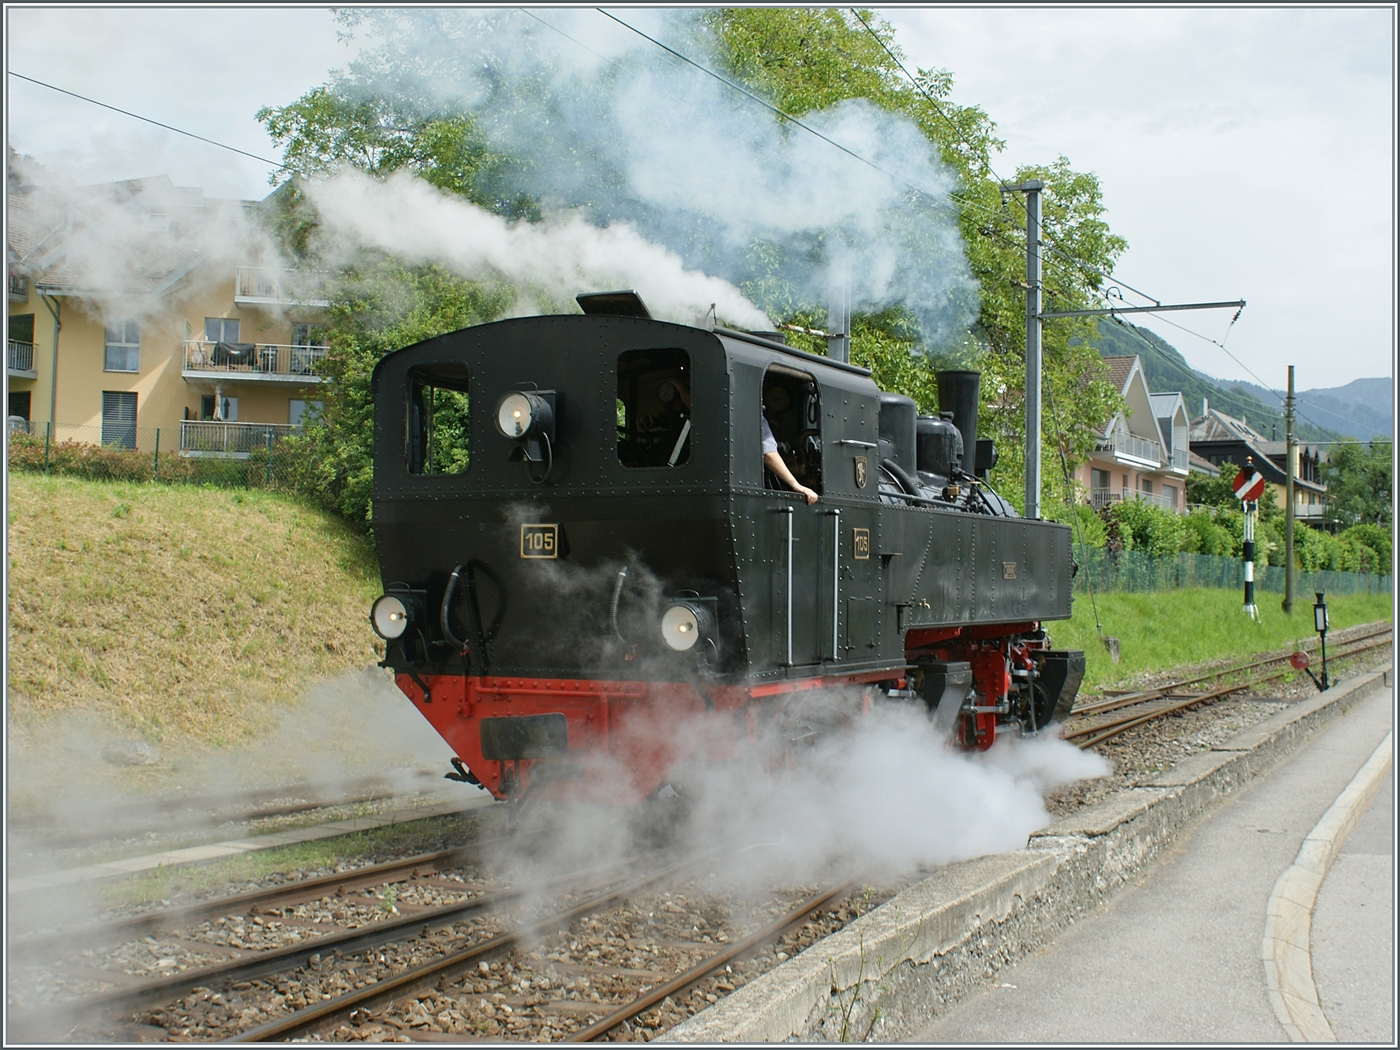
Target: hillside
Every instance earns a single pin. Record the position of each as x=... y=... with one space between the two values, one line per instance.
x=1361 y=409
x=1167 y=370
x=174 y=611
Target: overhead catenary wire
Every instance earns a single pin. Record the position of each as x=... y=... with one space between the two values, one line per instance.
x=137 y=116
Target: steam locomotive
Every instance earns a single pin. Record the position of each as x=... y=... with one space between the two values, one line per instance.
x=592 y=582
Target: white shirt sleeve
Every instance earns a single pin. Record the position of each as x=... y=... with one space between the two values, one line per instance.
x=770 y=443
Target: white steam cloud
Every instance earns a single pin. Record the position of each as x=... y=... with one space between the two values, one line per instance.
x=560 y=256
x=595 y=121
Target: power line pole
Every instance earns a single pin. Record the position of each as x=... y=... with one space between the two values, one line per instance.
x=1035 y=319
x=1033 y=344
x=1290 y=454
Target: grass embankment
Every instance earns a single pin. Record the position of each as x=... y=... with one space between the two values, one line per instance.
x=177 y=612
x=1167 y=629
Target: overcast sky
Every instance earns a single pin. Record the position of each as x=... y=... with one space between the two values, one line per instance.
x=1244 y=153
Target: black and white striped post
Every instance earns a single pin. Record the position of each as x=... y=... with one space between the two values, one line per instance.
x=1249 y=486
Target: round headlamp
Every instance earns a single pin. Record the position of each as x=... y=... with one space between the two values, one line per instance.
x=389 y=617
x=521 y=413
x=685 y=623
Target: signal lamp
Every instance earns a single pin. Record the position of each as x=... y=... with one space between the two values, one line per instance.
x=389 y=617
x=684 y=623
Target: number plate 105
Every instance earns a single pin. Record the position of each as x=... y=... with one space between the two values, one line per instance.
x=539 y=541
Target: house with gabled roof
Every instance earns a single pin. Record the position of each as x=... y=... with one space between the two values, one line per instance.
x=1143 y=452
x=1231 y=443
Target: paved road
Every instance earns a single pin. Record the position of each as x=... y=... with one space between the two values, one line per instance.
x=1176 y=956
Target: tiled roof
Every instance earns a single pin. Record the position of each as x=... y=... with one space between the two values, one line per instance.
x=1119 y=368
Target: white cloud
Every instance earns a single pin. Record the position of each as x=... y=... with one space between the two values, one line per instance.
x=1243 y=153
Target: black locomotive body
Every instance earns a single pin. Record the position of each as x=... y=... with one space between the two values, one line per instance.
x=591 y=579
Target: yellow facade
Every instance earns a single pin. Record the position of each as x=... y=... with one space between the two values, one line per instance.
x=168 y=390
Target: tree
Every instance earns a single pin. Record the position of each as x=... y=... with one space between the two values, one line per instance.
x=1358 y=480
x=395 y=109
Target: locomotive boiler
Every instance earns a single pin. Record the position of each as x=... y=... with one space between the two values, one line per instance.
x=591 y=581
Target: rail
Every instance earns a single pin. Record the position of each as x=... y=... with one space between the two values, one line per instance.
x=218 y=437
x=265 y=284
x=21 y=356
x=304 y=363
x=1138 y=448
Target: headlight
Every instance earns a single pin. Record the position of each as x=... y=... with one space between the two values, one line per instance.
x=389 y=617
x=685 y=623
x=521 y=414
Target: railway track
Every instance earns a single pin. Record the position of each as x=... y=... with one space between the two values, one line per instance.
x=1136 y=708
x=162 y=816
x=446 y=955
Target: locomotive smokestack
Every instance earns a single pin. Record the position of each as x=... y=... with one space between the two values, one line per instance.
x=957 y=393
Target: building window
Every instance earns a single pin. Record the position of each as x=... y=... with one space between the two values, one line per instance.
x=1101 y=479
x=1169 y=493
x=221 y=329
x=118 y=419
x=309 y=335
x=1146 y=487
x=156 y=220
x=297 y=410
x=19 y=403
x=123 y=350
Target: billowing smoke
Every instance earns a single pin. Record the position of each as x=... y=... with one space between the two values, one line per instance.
x=559 y=257
x=598 y=123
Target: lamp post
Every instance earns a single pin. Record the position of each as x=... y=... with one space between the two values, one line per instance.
x=1320 y=625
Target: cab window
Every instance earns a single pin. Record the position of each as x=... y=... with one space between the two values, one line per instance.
x=653 y=408
x=437 y=431
x=792 y=406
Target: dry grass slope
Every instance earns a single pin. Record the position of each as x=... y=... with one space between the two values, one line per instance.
x=176 y=611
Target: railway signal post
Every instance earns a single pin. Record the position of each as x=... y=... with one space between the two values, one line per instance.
x=1248 y=486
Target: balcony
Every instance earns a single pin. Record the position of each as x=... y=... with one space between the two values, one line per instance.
x=1134 y=447
x=274 y=287
x=230 y=440
x=1181 y=460
x=17 y=285
x=20 y=360
x=1100 y=498
x=255 y=362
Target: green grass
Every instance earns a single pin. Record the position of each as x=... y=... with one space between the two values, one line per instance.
x=1168 y=629
x=178 y=613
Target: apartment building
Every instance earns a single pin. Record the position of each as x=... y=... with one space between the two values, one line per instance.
x=144 y=312
x=1143 y=452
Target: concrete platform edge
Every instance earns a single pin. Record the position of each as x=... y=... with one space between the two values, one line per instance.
x=947 y=934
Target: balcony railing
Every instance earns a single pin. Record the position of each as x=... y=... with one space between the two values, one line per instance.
x=217 y=438
x=1181 y=459
x=21 y=356
x=256 y=360
x=17 y=284
x=1099 y=498
x=265 y=284
x=1128 y=445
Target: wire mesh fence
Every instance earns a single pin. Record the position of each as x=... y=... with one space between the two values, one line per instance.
x=246 y=455
x=1129 y=571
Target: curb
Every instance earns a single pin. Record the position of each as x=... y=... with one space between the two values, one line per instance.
x=1286 y=950
x=232 y=847
x=957 y=926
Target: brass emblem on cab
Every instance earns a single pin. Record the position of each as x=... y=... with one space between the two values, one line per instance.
x=539 y=541
x=861 y=476
x=860 y=545
x=1008 y=570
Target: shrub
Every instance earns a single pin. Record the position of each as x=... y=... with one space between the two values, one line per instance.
x=1158 y=532
x=1378 y=539
x=1202 y=535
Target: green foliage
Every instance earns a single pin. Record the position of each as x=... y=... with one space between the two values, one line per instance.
x=1358 y=480
x=1146 y=527
x=1376 y=538
x=1203 y=535
x=381 y=308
